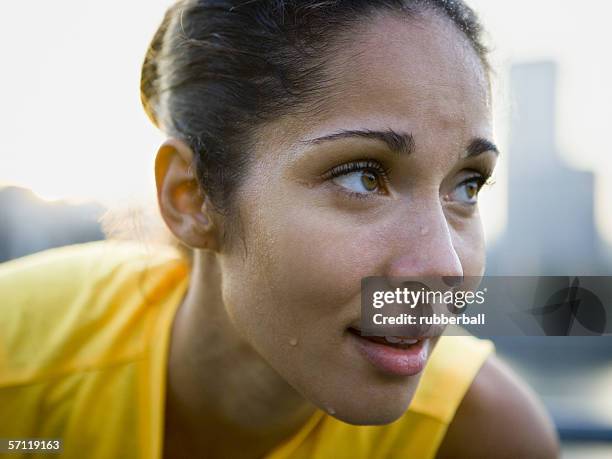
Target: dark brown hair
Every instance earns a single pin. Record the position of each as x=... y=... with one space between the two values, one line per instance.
x=217 y=69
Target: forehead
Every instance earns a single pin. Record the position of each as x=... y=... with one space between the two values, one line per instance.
x=417 y=74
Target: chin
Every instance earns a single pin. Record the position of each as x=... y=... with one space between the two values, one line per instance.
x=370 y=419
x=369 y=415
x=374 y=403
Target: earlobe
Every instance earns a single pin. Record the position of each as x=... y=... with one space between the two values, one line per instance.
x=183 y=205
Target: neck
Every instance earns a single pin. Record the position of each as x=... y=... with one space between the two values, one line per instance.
x=223 y=399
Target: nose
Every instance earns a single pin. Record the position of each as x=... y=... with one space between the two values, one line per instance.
x=425 y=248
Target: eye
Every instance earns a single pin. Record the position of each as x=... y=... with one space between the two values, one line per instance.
x=358 y=182
x=467 y=191
x=361 y=177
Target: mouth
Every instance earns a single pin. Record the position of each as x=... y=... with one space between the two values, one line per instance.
x=400 y=342
x=392 y=355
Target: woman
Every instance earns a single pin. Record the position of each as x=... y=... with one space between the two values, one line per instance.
x=310 y=144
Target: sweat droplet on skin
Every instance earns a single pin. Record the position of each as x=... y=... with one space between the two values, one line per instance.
x=293 y=341
x=424 y=231
x=330 y=410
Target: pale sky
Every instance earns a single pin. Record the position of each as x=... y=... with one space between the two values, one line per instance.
x=72 y=126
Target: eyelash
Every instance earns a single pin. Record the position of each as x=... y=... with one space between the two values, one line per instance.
x=481 y=180
x=358 y=166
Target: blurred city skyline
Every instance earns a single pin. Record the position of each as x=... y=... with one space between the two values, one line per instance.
x=550 y=231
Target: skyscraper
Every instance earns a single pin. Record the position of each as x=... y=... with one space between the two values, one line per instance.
x=551 y=228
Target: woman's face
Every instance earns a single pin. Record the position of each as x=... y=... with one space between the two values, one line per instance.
x=317 y=217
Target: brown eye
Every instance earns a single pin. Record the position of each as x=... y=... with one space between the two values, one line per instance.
x=369 y=181
x=361 y=181
x=471 y=190
x=467 y=191
x=360 y=178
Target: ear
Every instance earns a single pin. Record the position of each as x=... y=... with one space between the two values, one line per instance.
x=183 y=205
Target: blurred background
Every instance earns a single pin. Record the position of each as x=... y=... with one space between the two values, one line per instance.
x=76 y=145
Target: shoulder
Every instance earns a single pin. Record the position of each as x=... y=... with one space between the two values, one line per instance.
x=61 y=268
x=450 y=372
x=61 y=309
x=73 y=267
x=60 y=279
x=499 y=417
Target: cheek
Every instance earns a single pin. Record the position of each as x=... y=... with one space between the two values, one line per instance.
x=325 y=259
x=301 y=277
x=468 y=239
x=311 y=266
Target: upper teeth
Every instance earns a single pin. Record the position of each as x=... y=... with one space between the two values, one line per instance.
x=396 y=340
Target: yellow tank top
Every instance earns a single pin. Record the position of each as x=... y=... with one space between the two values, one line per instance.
x=84 y=333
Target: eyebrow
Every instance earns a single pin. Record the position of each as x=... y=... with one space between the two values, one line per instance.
x=479 y=145
x=400 y=143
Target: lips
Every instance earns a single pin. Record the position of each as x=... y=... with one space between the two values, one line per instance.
x=396 y=341
x=409 y=331
x=405 y=357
